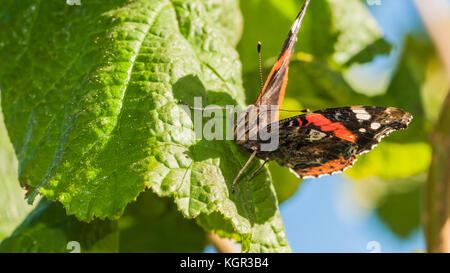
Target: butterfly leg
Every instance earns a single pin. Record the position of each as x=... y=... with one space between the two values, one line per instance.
x=257 y=170
x=242 y=170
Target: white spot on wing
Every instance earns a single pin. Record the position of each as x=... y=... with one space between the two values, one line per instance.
x=362 y=130
x=375 y=126
x=365 y=116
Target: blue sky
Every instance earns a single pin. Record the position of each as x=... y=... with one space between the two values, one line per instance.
x=322 y=217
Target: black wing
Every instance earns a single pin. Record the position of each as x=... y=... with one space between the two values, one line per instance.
x=328 y=141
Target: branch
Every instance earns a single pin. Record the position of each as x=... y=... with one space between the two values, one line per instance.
x=437 y=191
x=222 y=245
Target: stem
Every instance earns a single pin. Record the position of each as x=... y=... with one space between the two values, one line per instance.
x=437 y=191
x=222 y=245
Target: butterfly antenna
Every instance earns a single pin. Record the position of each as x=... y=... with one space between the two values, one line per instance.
x=307 y=110
x=260 y=66
x=242 y=170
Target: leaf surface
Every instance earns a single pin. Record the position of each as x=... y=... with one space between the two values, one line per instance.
x=96 y=120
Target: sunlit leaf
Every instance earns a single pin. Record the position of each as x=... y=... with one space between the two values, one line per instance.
x=393 y=160
x=96 y=120
x=358 y=30
x=379 y=47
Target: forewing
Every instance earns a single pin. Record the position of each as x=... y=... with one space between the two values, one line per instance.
x=275 y=85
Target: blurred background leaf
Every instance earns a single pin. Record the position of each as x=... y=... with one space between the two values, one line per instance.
x=360 y=38
x=149 y=225
x=153 y=225
x=396 y=201
x=48 y=229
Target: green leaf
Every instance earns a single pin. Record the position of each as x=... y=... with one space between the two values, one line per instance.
x=286 y=183
x=357 y=28
x=13 y=207
x=204 y=189
x=48 y=229
x=406 y=203
x=379 y=47
x=435 y=88
x=153 y=225
x=396 y=201
x=149 y=225
x=96 y=120
x=383 y=161
x=405 y=89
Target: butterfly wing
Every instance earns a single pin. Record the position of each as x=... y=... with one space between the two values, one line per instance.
x=310 y=153
x=275 y=85
x=363 y=125
x=328 y=141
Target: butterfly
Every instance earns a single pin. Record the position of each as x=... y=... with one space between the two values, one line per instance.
x=316 y=143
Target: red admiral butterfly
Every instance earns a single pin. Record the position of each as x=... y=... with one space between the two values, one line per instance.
x=316 y=143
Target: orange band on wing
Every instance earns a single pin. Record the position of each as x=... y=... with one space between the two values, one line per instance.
x=283 y=88
x=284 y=58
x=327 y=126
x=330 y=167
